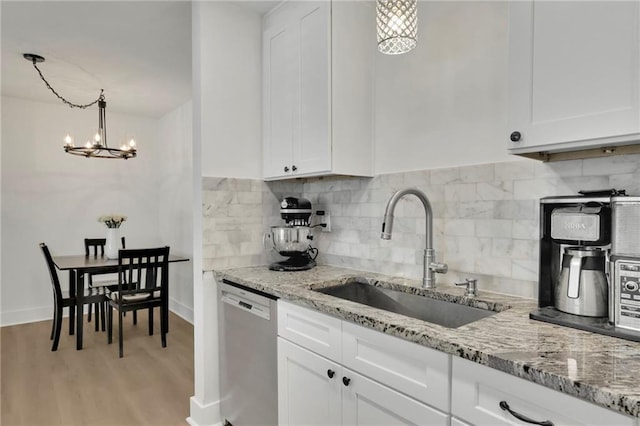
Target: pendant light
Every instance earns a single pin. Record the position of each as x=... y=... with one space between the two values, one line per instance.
x=96 y=147
x=397 y=24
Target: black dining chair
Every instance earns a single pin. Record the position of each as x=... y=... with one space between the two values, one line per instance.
x=95 y=247
x=143 y=283
x=62 y=299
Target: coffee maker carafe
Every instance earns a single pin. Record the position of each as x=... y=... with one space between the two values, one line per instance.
x=582 y=287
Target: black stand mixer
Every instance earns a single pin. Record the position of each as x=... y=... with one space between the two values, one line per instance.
x=293 y=240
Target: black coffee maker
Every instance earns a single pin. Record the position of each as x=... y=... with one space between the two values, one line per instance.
x=575 y=246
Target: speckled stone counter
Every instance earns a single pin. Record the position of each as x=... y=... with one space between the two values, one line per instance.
x=599 y=369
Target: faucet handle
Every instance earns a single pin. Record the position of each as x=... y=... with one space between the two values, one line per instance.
x=440 y=268
x=472 y=287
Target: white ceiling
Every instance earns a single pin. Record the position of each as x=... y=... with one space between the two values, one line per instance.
x=138 y=52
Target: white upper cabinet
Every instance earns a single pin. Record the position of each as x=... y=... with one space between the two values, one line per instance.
x=574 y=75
x=318 y=82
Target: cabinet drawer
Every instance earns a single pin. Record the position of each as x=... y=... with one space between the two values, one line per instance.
x=478 y=391
x=310 y=329
x=415 y=370
x=366 y=402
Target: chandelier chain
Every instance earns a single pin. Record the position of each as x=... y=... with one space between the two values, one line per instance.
x=72 y=105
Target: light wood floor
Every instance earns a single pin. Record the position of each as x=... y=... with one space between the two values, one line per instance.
x=151 y=385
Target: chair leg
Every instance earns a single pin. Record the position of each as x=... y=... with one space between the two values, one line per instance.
x=89 y=314
x=163 y=327
x=150 y=321
x=102 y=313
x=97 y=321
x=58 y=325
x=110 y=325
x=53 y=321
x=135 y=317
x=72 y=319
x=120 y=332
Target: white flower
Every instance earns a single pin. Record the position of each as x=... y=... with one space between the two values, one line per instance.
x=112 y=220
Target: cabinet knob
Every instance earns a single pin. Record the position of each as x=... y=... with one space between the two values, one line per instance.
x=294 y=168
x=515 y=136
x=286 y=169
x=331 y=373
x=346 y=381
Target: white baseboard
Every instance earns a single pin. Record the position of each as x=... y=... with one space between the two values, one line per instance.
x=204 y=415
x=183 y=311
x=24 y=316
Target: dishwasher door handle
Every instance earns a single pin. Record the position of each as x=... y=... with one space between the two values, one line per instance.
x=247 y=305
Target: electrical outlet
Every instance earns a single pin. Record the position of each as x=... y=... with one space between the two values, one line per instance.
x=324 y=218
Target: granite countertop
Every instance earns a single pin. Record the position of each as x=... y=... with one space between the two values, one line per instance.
x=596 y=368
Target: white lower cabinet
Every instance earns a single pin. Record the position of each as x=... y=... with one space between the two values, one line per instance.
x=367 y=402
x=309 y=387
x=313 y=390
x=480 y=392
x=376 y=390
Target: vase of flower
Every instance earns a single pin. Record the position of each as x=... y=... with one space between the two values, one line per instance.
x=112 y=245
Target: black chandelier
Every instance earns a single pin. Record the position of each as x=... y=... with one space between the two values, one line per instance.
x=97 y=147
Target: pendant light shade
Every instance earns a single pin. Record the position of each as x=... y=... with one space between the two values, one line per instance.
x=397 y=22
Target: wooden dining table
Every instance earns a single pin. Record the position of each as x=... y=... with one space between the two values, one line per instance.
x=78 y=266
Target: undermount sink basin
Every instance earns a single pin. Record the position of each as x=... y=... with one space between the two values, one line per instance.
x=441 y=312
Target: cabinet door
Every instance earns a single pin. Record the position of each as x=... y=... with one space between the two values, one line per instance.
x=366 y=402
x=312 y=129
x=308 y=387
x=573 y=73
x=279 y=68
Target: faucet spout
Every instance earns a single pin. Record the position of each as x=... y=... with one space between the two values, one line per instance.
x=430 y=265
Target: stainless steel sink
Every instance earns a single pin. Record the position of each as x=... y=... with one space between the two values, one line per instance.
x=444 y=313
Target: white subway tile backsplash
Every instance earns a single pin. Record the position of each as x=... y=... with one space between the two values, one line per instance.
x=524 y=270
x=558 y=169
x=534 y=188
x=460 y=192
x=515 y=170
x=445 y=176
x=485 y=217
x=494 y=228
x=479 y=173
x=496 y=190
x=460 y=227
x=526 y=229
x=611 y=165
x=474 y=210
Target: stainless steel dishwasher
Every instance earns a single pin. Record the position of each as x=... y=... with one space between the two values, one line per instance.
x=247 y=329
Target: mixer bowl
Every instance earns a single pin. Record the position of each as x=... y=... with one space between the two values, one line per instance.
x=290 y=240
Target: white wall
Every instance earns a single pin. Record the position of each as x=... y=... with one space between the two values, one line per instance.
x=444 y=103
x=52 y=197
x=175 y=202
x=231 y=67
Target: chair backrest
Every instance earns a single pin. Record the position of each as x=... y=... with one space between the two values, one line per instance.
x=96 y=245
x=55 y=282
x=143 y=270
